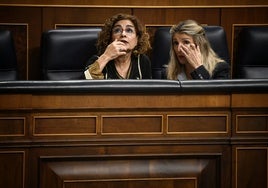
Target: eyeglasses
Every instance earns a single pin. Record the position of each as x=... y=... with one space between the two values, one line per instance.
x=119 y=31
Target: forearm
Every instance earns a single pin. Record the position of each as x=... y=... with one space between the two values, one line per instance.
x=102 y=61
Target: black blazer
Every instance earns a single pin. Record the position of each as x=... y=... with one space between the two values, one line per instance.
x=221 y=71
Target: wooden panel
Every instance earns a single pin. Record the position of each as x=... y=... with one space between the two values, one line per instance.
x=150 y=182
x=78 y=16
x=120 y=101
x=132 y=124
x=191 y=171
x=252 y=123
x=64 y=125
x=12 y=126
x=12 y=169
x=135 y=2
x=14 y=101
x=72 y=160
x=173 y=16
x=249 y=100
x=146 y=156
x=251 y=167
x=198 y=124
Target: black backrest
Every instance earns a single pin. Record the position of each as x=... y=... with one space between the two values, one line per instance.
x=8 y=58
x=160 y=52
x=217 y=39
x=64 y=52
x=251 y=58
x=162 y=43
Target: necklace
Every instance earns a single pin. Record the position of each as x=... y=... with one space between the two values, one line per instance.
x=123 y=73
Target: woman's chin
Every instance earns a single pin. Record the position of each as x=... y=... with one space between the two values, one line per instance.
x=182 y=60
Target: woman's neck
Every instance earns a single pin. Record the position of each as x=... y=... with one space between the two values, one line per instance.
x=122 y=65
x=188 y=69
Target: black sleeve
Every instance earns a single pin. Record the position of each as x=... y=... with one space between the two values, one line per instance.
x=221 y=71
x=91 y=60
x=200 y=73
x=145 y=64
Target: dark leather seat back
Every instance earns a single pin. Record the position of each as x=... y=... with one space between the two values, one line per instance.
x=160 y=52
x=64 y=52
x=162 y=43
x=217 y=39
x=251 y=58
x=8 y=58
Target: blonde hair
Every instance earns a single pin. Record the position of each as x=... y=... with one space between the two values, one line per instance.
x=193 y=29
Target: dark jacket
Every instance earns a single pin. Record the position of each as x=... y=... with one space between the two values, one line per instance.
x=221 y=71
x=140 y=68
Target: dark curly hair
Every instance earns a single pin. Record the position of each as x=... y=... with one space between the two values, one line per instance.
x=105 y=36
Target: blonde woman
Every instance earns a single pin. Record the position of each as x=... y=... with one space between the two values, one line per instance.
x=191 y=56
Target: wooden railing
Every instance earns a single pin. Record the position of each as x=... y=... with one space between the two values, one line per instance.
x=149 y=133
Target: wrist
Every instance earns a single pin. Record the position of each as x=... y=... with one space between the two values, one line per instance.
x=103 y=60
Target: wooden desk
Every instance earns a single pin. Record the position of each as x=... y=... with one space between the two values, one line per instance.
x=134 y=134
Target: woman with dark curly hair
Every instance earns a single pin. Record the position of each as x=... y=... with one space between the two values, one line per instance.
x=121 y=46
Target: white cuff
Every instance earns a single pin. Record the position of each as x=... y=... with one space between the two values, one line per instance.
x=88 y=75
